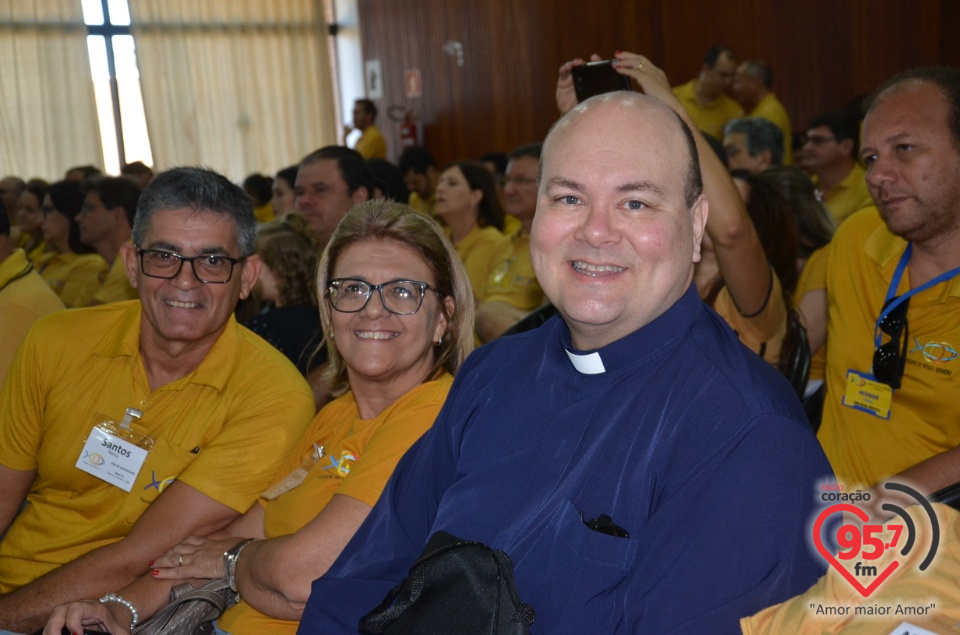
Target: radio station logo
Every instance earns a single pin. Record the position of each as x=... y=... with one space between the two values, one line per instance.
x=862 y=545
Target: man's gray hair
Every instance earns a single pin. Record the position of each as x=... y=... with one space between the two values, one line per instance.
x=200 y=190
x=762 y=134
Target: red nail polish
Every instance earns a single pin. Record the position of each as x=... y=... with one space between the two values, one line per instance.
x=155 y=572
x=151 y=564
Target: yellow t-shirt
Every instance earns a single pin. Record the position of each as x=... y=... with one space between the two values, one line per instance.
x=773 y=111
x=512 y=279
x=371 y=144
x=115 y=285
x=763 y=333
x=73 y=277
x=224 y=430
x=423 y=206
x=34 y=252
x=477 y=250
x=924 y=417
x=24 y=298
x=850 y=195
x=264 y=213
x=812 y=278
x=360 y=457
x=710 y=118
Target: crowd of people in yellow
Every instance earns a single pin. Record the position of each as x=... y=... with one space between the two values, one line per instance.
x=200 y=380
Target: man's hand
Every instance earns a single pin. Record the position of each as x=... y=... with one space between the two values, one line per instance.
x=179 y=512
x=566 y=95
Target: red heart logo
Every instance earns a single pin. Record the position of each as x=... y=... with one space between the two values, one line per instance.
x=832 y=559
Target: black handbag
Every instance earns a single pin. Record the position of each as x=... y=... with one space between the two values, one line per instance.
x=455 y=586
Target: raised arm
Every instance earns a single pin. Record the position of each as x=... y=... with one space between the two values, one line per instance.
x=743 y=264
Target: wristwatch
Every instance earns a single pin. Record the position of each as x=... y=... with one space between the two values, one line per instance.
x=230 y=558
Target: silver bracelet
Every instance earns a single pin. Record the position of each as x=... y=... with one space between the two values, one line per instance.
x=230 y=559
x=113 y=597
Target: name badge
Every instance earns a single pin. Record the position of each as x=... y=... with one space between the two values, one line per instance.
x=296 y=477
x=867 y=395
x=111 y=458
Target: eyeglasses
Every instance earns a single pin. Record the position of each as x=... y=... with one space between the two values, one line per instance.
x=400 y=297
x=890 y=359
x=208 y=268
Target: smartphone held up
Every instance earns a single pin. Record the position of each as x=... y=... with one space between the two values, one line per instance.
x=597 y=78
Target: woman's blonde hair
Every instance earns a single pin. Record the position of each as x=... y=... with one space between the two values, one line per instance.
x=388 y=221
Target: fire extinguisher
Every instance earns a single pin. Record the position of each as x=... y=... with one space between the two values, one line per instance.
x=409 y=131
x=410 y=134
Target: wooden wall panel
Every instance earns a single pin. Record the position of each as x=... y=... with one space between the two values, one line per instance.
x=823 y=53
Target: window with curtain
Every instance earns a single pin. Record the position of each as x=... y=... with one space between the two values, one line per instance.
x=241 y=86
x=48 y=115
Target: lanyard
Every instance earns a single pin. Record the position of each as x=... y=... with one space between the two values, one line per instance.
x=892 y=301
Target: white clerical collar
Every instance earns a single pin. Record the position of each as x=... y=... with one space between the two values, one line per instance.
x=589 y=364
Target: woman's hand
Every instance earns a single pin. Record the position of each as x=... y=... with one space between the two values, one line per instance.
x=566 y=94
x=110 y=617
x=195 y=557
x=651 y=79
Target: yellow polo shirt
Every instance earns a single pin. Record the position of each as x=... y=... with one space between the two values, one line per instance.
x=712 y=117
x=924 y=417
x=849 y=196
x=512 y=279
x=371 y=144
x=361 y=454
x=24 y=298
x=115 y=285
x=73 y=277
x=224 y=429
x=773 y=111
x=477 y=250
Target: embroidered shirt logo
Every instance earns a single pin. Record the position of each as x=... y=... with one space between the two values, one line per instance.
x=159 y=485
x=343 y=465
x=935 y=352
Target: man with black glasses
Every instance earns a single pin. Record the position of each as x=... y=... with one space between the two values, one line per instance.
x=892 y=374
x=131 y=426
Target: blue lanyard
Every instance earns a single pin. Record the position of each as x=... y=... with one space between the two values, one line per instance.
x=889 y=306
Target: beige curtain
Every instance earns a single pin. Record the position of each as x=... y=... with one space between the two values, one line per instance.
x=48 y=113
x=240 y=86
